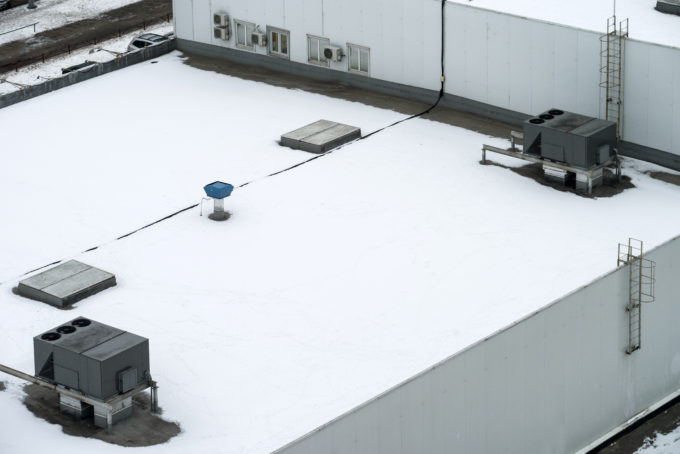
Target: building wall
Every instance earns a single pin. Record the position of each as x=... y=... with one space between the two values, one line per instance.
x=407 y=58
x=521 y=64
x=495 y=62
x=652 y=96
x=528 y=66
x=551 y=383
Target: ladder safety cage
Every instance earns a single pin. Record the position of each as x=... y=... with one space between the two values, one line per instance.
x=641 y=280
x=611 y=71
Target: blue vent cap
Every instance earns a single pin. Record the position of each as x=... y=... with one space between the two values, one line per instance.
x=218 y=190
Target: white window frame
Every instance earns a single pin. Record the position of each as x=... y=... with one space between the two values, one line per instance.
x=352 y=48
x=318 y=42
x=249 y=28
x=270 y=42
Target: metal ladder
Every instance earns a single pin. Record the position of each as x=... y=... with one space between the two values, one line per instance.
x=611 y=71
x=640 y=288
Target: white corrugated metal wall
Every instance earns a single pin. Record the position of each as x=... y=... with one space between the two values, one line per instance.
x=407 y=58
x=520 y=64
x=511 y=62
x=652 y=96
x=528 y=66
x=552 y=383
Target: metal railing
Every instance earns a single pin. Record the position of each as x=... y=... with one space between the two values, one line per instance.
x=69 y=47
x=21 y=28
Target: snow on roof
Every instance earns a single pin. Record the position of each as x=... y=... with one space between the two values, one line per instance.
x=329 y=284
x=646 y=23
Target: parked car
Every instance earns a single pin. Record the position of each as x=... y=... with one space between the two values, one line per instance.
x=147 y=39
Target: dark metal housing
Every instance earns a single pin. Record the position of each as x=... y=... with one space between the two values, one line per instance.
x=92 y=358
x=668 y=6
x=569 y=138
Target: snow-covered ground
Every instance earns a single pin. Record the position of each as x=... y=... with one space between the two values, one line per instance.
x=52 y=14
x=661 y=444
x=330 y=283
x=100 y=52
x=646 y=24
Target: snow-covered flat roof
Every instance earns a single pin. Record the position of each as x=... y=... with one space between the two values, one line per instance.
x=329 y=284
x=645 y=23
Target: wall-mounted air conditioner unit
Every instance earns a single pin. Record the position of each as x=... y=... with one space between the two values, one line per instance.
x=259 y=39
x=221 y=19
x=222 y=33
x=332 y=53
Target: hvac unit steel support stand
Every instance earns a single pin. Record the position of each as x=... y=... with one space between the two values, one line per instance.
x=109 y=406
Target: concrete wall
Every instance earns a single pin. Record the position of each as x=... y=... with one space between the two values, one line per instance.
x=551 y=383
x=89 y=72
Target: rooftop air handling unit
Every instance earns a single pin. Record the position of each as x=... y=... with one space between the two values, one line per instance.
x=573 y=149
x=97 y=368
x=571 y=140
x=217 y=191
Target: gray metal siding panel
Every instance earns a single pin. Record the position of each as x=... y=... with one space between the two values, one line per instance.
x=551 y=383
x=512 y=63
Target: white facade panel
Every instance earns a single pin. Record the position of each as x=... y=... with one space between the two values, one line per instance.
x=183 y=17
x=390 y=53
x=293 y=21
x=566 y=66
x=588 y=64
x=676 y=104
x=454 y=50
x=542 y=70
x=475 y=59
x=511 y=62
x=661 y=80
x=520 y=64
x=552 y=383
x=498 y=52
x=312 y=21
x=275 y=12
x=413 y=32
x=203 y=23
x=519 y=69
x=368 y=440
x=636 y=86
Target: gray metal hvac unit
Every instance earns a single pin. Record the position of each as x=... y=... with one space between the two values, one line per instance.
x=668 y=6
x=93 y=359
x=569 y=138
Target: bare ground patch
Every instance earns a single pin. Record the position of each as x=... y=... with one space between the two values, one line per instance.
x=609 y=188
x=142 y=428
x=671 y=178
